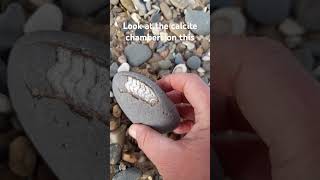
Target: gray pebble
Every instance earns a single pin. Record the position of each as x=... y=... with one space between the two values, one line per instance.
x=128 y=174
x=201 y=19
x=115 y=153
x=194 y=62
x=83 y=7
x=270 y=12
x=163 y=73
x=179 y=59
x=137 y=54
x=113 y=69
x=47 y=18
x=181 y=4
x=11 y=26
x=139 y=4
x=206 y=65
x=165 y=64
x=166 y=11
x=144 y=102
x=114 y=2
x=308 y=14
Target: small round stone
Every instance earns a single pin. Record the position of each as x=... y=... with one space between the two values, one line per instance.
x=178 y=59
x=137 y=54
x=165 y=64
x=116 y=111
x=201 y=19
x=194 y=62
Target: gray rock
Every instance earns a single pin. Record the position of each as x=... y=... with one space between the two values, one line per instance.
x=180 y=4
x=308 y=14
x=269 y=12
x=113 y=69
x=115 y=153
x=179 y=59
x=114 y=2
x=83 y=7
x=194 y=62
x=128 y=174
x=11 y=26
x=165 y=64
x=201 y=19
x=47 y=18
x=72 y=70
x=206 y=65
x=137 y=54
x=144 y=102
x=139 y=4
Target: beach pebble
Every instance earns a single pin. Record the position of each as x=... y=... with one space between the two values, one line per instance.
x=291 y=28
x=114 y=123
x=178 y=31
x=143 y=101
x=137 y=54
x=118 y=136
x=113 y=69
x=128 y=4
x=180 y=4
x=206 y=65
x=124 y=67
x=178 y=59
x=166 y=11
x=201 y=19
x=194 y=62
x=180 y=68
x=114 y=2
x=116 y=111
x=228 y=21
x=190 y=45
x=130 y=157
x=115 y=153
x=128 y=174
x=165 y=64
x=39 y=3
x=83 y=7
x=270 y=12
x=11 y=25
x=122 y=59
x=308 y=14
x=140 y=6
x=47 y=17
x=22 y=157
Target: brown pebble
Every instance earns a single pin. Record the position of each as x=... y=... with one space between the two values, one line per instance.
x=114 y=123
x=164 y=53
x=118 y=136
x=199 y=51
x=129 y=157
x=22 y=157
x=205 y=44
x=116 y=111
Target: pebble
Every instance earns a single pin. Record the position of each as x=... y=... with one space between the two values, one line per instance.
x=205 y=44
x=228 y=21
x=47 y=17
x=11 y=25
x=178 y=59
x=291 y=28
x=114 y=123
x=163 y=73
x=22 y=157
x=116 y=111
x=143 y=101
x=5 y=104
x=137 y=54
x=124 y=67
x=190 y=45
x=39 y=3
x=206 y=65
x=114 y=2
x=308 y=14
x=140 y=6
x=129 y=157
x=115 y=153
x=122 y=59
x=128 y=174
x=270 y=12
x=118 y=136
x=83 y=7
x=180 y=4
x=178 y=31
x=201 y=19
x=194 y=62
x=113 y=69
x=128 y=4
x=166 y=11
x=165 y=64
x=180 y=68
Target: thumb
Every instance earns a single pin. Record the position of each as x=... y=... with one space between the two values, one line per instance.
x=153 y=144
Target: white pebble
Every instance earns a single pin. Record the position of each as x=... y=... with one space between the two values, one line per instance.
x=206 y=58
x=124 y=67
x=136 y=18
x=189 y=45
x=164 y=36
x=111 y=94
x=201 y=71
x=291 y=28
x=180 y=68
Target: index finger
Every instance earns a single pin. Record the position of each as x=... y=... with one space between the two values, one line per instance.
x=193 y=88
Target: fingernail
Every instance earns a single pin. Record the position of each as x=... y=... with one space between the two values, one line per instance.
x=132 y=132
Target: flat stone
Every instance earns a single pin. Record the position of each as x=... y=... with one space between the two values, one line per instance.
x=128 y=174
x=83 y=7
x=165 y=64
x=180 y=4
x=128 y=4
x=201 y=19
x=11 y=26
x=166 y=11
x=144 y=102
x=269 y=12
x=59 y=88
x=140 y=6
x=137 y=54
x=48 y=17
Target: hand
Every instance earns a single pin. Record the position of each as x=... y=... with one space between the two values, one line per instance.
x=260 y=89
x=188 y=158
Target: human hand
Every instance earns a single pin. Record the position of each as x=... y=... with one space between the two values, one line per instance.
x=259 y=88
x=188 y=158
